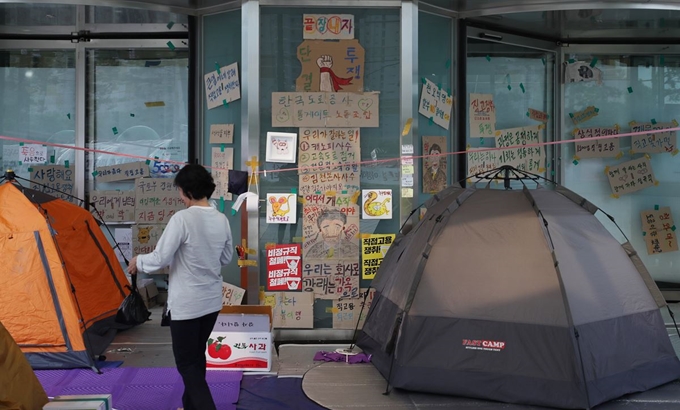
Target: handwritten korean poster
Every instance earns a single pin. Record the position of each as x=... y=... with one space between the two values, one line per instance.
x=435 y=103
x=222 y=161
x=328 y=26
x=221 y=133
x=284 y=271
x=332 y=287
x=585 y=115
x=55 y=180
x=222 y=87
x=326 y=186
x=523 y=157
x=434 y=164
x=373 y=250
x=325 y=109
x=157 y=199
x=329 y=149
x=32 y=154
x=482 y=113
x=659 y=230
x=281 y=208
x=659 y=142
x=376 y=203
x=231 y=295
x=291 y=309
x=604 y=148
x=121 y=172
x=330 y=232
x=330 y=66
x=537 y=115
x=630 y=176
x=479 y=161
x=114 y=206
x=346 y=313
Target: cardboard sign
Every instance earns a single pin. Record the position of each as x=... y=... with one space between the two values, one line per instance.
x=221 y=133
x=376 y=203
x=523 y=158
x=283 y=267
x=373 y=250
x=537 y=115
x=346 y=110
x=604 y=148
x=479 y=161
x=32 y=154
x=346 y=313
x=655 y=143
x=222 y=161
x=231 y=295
x=55 y=180
x=243 y=350
x=435 y=164
x=144 y=240
x=291 y=309
x=281 y=208
x=330 y=66
x=482 y=113
x=332 y=287
x=630 y=176
x=329 y=149
x=121 y=172
x=435 y=103
x=328 y=26
x=585 y=115
x=222 y=87
x=157 y=199
x=114 y=206
x=659 y=230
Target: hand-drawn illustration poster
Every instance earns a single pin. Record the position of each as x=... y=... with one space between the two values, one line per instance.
x=331 y=66
x=523 y=157
x=222 y=86
x=55 y=180
x=329 y=149
x=290 y=309
x=588 y=113
x=144 y=240
x=330 y=232
x=281 y=208
x=537 y=115
x=376 y=203
x=281 y=147
x=221 y=133
x=434 y=164
x=231 y=295
x=32 y=154
x=157 y=199
x=482 y=114
x=654 y=143
x=581 y=71
x=604 y=148
x=630 y=176
x=114 y=206
x=481 y=160
x=328 y=26
x=284 y=271
x=435 y=103
x=346 y=313
x=122 y=172
x=346 y=110
x=222 y=161
x=373 y=250
x=659 y=230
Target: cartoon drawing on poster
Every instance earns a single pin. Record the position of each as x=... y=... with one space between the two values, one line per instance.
x=436 y=104
x=603 y=148
x=290 y=309
x=346 y=313
x=144 y=240
x=434 y=164
x=631 y=176
x=376 y=203
x=328 y=26
x=222 y=160
x=281 y=147
x=330 y=232
x=55 y=180
x=482 y=113
x=113 y=206
x=521 y=150
x=578 y=71
x=222 y=86
x=329 y=149
x=330 y=66
x=283 y=267
x=281 y=208
x=346 y=110
x=659 y=230
x=373 y=250
x=653 y=143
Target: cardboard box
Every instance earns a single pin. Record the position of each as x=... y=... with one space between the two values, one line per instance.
x=147 y=288
x=241 y=339
x=75 y=405
x=101 y=401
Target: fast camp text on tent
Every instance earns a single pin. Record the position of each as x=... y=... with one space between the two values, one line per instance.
x=489 y=345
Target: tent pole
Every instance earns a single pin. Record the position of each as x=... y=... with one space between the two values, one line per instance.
x=363 y=305
x=670 y=312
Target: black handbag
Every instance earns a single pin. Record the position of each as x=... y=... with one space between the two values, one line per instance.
x=132 y=311
x=165 y=317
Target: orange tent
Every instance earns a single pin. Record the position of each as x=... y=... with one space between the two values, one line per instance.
x=60 y=283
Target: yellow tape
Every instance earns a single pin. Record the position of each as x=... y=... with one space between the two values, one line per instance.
x=615 y=196
x=331 y=310
x=631 y=152
x=647 y=156
x=250 y=251
x=541 y=170
x=574 y=132
x=269 y=245
x=498 y=133
x=298 y=239
x=619 y=155
x=407 y=127
x=330 y=193
x=674 y=153
x=302 y=200
x=606 y=170
x=675 y=123
x=365 y=235
x=656 y=183
x=632 y=123
x=155 y=104
x=247 y=262
x=577 y=158
x=355 y=197
x=541 y=126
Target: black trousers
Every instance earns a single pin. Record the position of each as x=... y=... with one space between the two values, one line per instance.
x=189 y=339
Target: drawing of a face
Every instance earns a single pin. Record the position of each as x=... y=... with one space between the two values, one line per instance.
x=332 y=225
x=281 y=146
x=270 y=300
x=434 y=160
x=143 y=235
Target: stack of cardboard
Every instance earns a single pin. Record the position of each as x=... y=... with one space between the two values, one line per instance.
x=81 y=402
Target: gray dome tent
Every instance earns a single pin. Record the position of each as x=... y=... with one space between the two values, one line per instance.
x=517 y=296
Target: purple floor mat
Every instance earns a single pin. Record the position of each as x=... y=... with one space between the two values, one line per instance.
x=133 y=388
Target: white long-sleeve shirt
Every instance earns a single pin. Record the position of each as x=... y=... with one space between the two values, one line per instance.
x=195 y=245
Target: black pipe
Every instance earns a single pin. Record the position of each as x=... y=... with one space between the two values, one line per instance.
x=192 y=101
x=461 y=106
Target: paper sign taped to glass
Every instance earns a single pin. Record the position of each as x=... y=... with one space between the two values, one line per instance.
x=330 y=66
x=342 y=109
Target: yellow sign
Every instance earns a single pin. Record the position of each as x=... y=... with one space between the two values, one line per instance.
x=373 y=250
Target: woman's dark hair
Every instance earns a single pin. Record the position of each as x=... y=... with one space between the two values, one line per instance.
x=195 y=181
